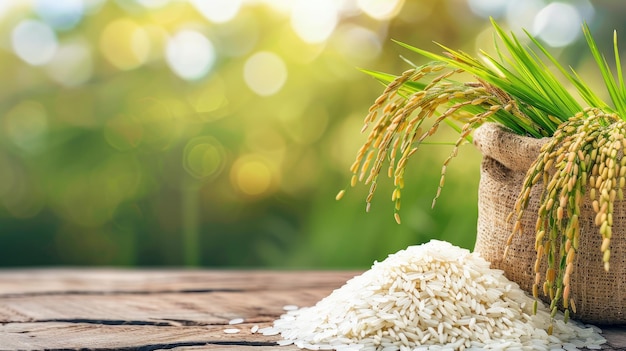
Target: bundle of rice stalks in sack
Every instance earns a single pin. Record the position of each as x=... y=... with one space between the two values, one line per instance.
x=551 y=210
x=594 y=291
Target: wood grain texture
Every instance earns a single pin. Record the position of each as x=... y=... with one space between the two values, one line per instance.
x=74 y=309
x=183 y=310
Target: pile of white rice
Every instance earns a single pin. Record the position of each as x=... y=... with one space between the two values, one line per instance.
x=434 y=296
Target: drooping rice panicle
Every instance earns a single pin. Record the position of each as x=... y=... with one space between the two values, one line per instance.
x=397 y=125
x=584 y=151
x=399 y=129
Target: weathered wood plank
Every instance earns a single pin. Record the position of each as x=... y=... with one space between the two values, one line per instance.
x=107 y=281
x=159 y=309
x=616 y=337
x=64 y=336
x=70 y=336
x=149 y=310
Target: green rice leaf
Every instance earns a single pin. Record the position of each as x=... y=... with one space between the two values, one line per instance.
x=616 y=92
x=618 y=64
x=536 y=75
x=583 y=89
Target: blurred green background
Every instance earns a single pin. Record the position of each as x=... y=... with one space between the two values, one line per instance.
x=217 y=132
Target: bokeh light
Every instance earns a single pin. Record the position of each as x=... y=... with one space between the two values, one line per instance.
x=218 y=11
x=252 y=175
x=381 y=9
x=204 y=157
x=124 y=44
x=34 y=42
x=488 y=8
x=358 y=44
x=265 y=73
x=558 y=24
x=190 y=54
x=314 y=21
x=521 y=14
x=72 y=64
x=61 y=15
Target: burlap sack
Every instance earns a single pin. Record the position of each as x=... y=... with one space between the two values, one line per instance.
x=599 y=296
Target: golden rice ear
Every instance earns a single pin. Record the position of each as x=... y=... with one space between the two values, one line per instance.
x=397 y=122
x=584 y=151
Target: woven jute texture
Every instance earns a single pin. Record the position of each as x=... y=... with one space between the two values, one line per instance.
x=599 y=296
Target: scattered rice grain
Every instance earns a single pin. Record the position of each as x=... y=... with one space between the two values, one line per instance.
x=269 y=331
x=236 y=321
x=231 y=331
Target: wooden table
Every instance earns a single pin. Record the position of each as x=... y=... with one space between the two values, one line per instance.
x=106 y=309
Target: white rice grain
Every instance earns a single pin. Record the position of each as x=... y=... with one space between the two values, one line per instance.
x=235 y=321
x=434 y=296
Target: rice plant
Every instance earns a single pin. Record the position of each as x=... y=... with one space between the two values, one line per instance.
x=517 y=89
